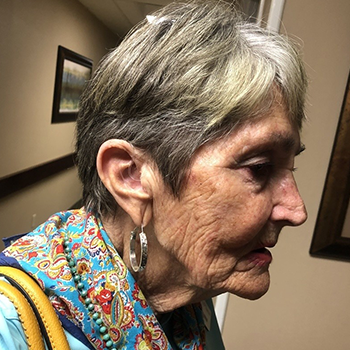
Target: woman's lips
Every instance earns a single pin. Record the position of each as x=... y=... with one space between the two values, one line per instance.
x=260 y=257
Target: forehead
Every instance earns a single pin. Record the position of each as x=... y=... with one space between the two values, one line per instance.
x=272 y=131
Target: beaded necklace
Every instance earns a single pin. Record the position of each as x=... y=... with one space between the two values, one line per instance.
x=83 y=293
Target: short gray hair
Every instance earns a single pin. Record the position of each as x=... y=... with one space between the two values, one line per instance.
x=182 y=79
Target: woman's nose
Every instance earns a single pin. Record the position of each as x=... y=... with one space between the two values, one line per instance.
x=289 y=206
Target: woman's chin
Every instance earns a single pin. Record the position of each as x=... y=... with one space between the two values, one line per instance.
x=255 y=295
x=252 y=288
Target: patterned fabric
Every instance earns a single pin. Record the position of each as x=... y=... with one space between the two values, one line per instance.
x=124 y=309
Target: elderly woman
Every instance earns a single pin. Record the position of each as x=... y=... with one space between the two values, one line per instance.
x=186 y=142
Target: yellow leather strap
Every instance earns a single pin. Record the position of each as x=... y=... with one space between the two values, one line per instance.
x=26 y=316
x=47 y=313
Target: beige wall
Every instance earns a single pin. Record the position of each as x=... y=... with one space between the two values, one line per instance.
x=30 y=32
x=308 y=305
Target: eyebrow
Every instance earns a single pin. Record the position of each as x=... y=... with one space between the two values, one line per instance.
x=286 y=142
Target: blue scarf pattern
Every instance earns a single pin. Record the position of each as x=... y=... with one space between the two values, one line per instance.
x=116 y=296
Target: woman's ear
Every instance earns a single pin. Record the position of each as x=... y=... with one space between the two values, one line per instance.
x=127 y=173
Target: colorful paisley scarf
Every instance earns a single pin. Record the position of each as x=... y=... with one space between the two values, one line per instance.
x=124 y=310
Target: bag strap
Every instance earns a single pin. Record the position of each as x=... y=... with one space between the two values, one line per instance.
x=34 y=310
x=25 y=315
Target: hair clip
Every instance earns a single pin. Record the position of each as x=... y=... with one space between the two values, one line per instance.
x=153 y=20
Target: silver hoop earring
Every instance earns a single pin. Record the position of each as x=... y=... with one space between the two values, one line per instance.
x=137 y=267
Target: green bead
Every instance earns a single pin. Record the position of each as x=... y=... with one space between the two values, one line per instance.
x=67 y=250
x=88 y=301
x=106 y=337
x=66 y=242
x=80 y=285
x=91 y=307
x=95 y=316
x=73 y=269
x=99 y=321
x=71 y=263
x=77 y=278
x=103 y=329
x=109 y=343
x=83 y=293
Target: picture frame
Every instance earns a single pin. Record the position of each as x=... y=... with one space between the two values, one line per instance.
x=72 y=72
x=331 y=238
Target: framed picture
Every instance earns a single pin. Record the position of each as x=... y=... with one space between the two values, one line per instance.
x=331 y=237
x=72 y=72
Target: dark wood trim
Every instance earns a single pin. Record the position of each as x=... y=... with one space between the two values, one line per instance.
x=328 y=241
x=17 y=181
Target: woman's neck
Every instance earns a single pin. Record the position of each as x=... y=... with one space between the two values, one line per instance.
x=164 y=281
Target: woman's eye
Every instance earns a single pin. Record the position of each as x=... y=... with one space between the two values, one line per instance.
x=261 y=171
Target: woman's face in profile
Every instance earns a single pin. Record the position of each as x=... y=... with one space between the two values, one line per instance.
x=240 y=192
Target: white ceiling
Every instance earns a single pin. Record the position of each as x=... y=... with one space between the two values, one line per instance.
x=121 y=15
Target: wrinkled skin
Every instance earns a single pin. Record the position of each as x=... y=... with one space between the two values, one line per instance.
x=239 y=194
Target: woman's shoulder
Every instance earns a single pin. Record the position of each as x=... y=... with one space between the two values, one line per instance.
x=12 y=335
x=11 y=332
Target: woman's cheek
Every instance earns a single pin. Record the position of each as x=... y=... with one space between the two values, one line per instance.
x=252 y=220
